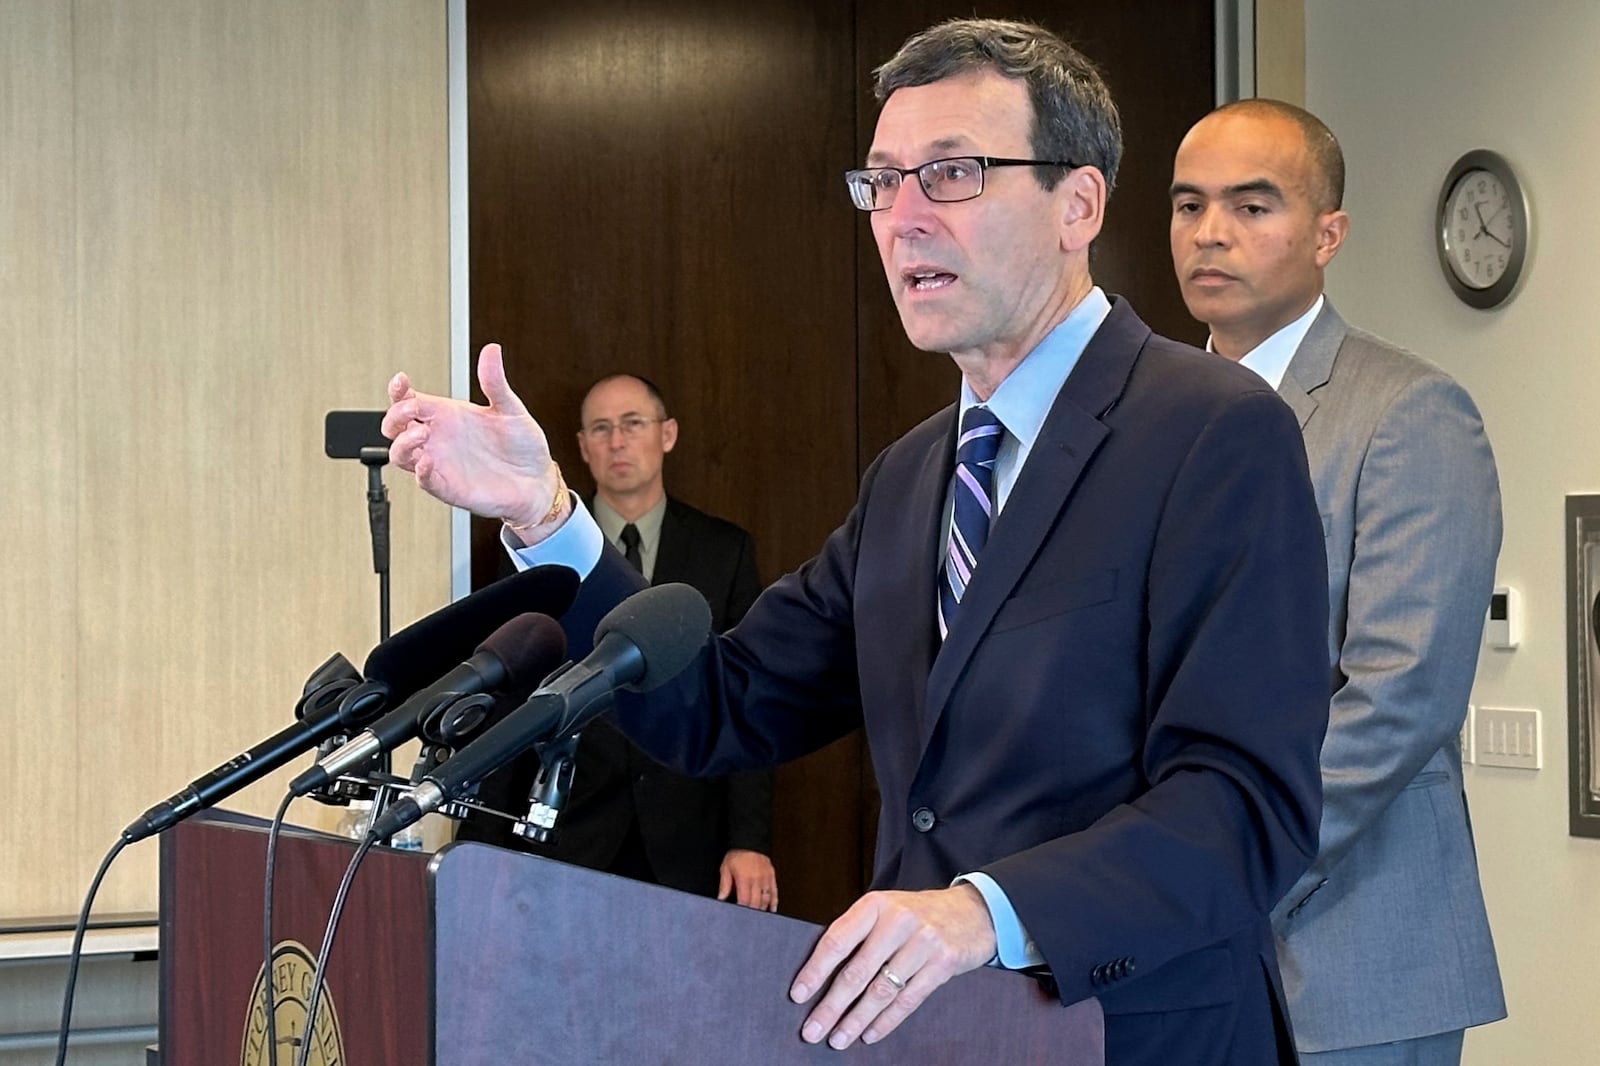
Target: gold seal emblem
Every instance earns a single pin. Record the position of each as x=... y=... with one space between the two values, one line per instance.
x=293 y=969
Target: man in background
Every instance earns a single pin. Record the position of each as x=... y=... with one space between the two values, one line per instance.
x=627 y=814
x=1384 y=942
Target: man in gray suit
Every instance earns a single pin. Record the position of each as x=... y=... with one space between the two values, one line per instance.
x=1384 y=942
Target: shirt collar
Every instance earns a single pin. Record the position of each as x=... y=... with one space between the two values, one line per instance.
x=648 y=524
x=1023 y=399
x=1270 y=359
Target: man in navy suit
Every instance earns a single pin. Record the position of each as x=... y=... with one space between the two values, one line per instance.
x=1083 y=631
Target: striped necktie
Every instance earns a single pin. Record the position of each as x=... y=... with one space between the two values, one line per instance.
x=972 y=488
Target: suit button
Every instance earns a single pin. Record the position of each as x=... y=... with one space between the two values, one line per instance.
x=922 y=819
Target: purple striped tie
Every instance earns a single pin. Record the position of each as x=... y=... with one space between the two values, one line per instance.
x=972 y=488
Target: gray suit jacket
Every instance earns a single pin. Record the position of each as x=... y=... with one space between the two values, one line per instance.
x=1385 y=936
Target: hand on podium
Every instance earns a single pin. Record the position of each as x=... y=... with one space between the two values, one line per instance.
x=890 y=951
x=750 y=878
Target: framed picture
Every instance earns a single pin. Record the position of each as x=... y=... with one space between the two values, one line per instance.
x=1583 y=665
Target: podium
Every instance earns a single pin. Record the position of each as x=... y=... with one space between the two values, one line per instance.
x=479 y=955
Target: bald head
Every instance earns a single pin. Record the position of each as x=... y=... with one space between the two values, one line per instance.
x=1325 y=159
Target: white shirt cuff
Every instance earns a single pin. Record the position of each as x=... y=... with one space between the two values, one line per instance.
x=1015 y=950
x=576 y=545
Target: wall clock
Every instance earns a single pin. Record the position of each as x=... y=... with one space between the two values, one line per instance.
x=1482 y=228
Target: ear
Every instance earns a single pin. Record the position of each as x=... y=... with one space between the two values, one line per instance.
x=583 y=446
x=669 y=434
x=1081 y=204
x=1331 y=230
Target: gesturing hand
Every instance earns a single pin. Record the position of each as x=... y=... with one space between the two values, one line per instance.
x=896 y=948
x=494 y=461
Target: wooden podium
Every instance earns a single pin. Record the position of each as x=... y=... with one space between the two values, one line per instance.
x=479 y=955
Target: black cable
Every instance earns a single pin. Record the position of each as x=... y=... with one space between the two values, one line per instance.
x=266 y=926
x=327 y=948
x=77 y=948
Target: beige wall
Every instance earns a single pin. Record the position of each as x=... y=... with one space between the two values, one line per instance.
x=218 y=220
x=1408 y=86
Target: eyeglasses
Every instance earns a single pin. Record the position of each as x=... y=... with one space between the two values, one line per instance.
x=631 y=425
x=946 y=181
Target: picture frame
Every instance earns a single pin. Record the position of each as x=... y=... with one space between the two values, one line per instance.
x=1583 y=664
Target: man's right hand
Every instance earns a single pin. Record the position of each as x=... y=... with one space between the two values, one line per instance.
x=493 y=461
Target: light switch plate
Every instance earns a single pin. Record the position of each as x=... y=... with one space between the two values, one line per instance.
x=1507 y=736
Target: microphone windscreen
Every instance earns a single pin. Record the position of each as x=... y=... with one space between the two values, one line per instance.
x=669 y=624
x=418 y=654
x=530 y=646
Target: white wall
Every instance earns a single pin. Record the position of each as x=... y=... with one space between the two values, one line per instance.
x=1408 y=86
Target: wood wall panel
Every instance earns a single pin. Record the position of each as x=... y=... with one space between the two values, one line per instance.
x=38 y=520
x=653 y=189
x=257 y=192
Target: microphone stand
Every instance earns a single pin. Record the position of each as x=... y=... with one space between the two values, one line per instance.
x=375 y=459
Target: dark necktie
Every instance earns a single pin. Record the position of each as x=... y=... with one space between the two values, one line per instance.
x=630 y=546
x=972 y=488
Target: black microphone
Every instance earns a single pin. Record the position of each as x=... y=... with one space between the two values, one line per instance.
x=419 y=653
x=641 y=644
x=416 y=655
x=519 y=651
x=321 y=712
x=336 y=700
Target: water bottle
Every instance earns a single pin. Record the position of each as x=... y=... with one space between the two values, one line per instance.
x=409 y=838
x=356 y=820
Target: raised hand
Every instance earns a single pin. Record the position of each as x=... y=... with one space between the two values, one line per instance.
x=494 y=461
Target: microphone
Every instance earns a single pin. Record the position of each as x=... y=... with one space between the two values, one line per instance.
x=322 y=711
x=419 y=653
x=521 y=649
x=642 y=643
x=336 y=700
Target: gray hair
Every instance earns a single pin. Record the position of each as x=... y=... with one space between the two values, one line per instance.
x=1074 y=117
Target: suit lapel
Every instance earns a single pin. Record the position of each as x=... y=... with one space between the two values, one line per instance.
x=924 y=513
x=672 y=550
x=1312 y=364
x=1072 y=433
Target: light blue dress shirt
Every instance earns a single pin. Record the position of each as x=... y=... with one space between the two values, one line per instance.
x=1021 y=402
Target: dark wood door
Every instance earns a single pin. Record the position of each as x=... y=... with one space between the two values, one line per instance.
x=655 y=186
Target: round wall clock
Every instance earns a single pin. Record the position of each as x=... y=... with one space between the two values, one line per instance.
x=1482 y=228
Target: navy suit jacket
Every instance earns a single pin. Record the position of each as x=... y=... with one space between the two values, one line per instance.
x=1122 y=727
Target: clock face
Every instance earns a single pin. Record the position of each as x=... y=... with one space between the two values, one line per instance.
x=1480 y=229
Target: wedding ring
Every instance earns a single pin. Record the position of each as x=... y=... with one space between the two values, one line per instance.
x=894 y=979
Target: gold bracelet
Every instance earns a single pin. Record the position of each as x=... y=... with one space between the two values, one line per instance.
x=556 y=504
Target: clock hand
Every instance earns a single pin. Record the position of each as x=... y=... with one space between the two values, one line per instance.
x=1488 y=233
x=1483 y=227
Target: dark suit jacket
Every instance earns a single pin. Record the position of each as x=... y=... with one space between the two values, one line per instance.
x=686 y=823
x=1122 y=727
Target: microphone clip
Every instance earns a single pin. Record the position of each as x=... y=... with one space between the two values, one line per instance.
x=558 y=761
